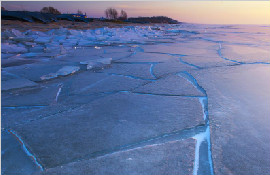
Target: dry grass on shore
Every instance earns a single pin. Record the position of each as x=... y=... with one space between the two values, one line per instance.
x=24 y=26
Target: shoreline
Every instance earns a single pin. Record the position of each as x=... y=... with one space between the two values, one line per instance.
x=24 y=26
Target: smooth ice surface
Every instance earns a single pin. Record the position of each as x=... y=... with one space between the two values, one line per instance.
x=146 y=58
x=13 y=159
x=246 y=54
x=124 y=119
x=172 y=67
x=142 y=71
x=170 y=85
x=17 y=83
x=112 y=84
x=37 y=96
x=175 y=157
x=206 y=61
x=239 y=101
x=197 y=47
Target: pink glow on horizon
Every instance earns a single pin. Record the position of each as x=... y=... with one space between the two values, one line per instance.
x=207 y=12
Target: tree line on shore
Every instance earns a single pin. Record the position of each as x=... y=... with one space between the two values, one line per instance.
x=112 y=15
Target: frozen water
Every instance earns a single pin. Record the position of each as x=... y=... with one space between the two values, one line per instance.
x=105 y=60
x=119 y=119
x=12 y=48
x=238 y=109
x=172 y=67
x=246 y=54
x=89 y=64
x=66 y=70
x=175 y=157
x=142 y=71
x=10 y=151
x=31 y=94
x=16 y=83
x=112 y=84
x=39 y=69
x=42 y=40
x=98 y=63
x=171 y=85
x=146 y=58
x=129 y=98
x=16 y=33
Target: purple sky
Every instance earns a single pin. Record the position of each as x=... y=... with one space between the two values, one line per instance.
x=208 y=12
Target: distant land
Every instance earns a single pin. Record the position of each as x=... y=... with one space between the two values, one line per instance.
x=27 y=16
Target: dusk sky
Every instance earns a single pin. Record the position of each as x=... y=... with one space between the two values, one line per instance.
x=207 y=12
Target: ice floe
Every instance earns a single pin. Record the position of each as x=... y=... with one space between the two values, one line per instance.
x=66 y=70
x=12 y=48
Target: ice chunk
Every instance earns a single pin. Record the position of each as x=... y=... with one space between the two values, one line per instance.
x=96 y=63
x=6 y=34
x=31 y=54
x=136 y=48
x=12 y=48
x=49 y=76
x=107 y=36
x=42 y=40
x=182 y=31
x=76 y=32
x=31 y=44
x=17 y=83
x=71 y=42
x=90 y=64
x=105 y=60
x=22 y=39
x=37 y=49
x=66 y=70
x=16 y=33
x=139 y=71
x=6 y=55
x=7 y=76
x=172 y=85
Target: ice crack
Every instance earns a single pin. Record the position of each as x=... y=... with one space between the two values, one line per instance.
x=25 y=149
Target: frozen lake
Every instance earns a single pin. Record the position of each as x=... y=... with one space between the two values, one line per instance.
x=165 y=99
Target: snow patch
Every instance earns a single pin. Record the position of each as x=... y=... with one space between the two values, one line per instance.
x=58 y=92
x=203 y=101
x=199 y=139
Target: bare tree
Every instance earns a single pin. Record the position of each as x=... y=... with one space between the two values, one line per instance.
x=123 y=15
x=50 y=10
x=111 y=13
